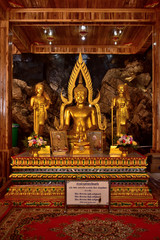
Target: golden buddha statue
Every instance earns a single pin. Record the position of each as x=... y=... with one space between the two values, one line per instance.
x=121 y=102
x=40 y=103
x=85 y=116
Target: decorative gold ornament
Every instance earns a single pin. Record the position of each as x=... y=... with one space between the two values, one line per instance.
x=78 y=162
x=79 y=176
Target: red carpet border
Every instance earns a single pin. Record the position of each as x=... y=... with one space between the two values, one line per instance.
x=78 y=224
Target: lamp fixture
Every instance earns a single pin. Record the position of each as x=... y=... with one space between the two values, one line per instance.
x=83 y=31
x=48 y=34
x=117 y=33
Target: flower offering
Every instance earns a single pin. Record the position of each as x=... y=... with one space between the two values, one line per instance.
x=126 y=141
x=35 y=141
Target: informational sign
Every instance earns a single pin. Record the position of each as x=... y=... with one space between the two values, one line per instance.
x=87 y=193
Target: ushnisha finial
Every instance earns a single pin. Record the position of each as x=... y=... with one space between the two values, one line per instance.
x=80 y=59
x=80 y=86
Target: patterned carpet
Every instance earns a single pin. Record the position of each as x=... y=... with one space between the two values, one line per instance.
x=78 y=224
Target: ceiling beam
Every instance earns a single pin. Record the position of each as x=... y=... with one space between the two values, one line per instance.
x=22 y=38
x=82 y=15
x=73 y=24
x=142 y=42
x=68 y=49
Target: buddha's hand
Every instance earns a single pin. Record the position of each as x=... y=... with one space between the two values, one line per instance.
x=35 y=106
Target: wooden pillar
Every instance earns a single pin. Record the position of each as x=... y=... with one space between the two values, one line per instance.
x=155 y=152
x=5 y=99
x=156 y=85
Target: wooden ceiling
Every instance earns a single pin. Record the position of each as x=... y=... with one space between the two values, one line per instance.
x=29 y=19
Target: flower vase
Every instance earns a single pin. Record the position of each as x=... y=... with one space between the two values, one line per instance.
x=124 y=151
x=35 y=152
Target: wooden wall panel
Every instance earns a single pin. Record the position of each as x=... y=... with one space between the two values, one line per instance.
x=5 y=98
x=81 y=15
x=156 y=86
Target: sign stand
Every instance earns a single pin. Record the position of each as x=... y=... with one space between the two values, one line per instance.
x=87 y=193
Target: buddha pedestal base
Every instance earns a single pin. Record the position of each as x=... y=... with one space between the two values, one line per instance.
x=41 y=181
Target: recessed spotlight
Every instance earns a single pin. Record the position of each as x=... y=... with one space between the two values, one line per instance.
x=83 y=38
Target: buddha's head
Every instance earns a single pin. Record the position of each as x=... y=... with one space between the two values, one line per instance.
x=80 y=92
x=121 y=88
x=39 y=88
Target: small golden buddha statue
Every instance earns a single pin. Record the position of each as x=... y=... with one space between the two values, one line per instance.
x=121 y=102
x=86 y=115
x=40 y=103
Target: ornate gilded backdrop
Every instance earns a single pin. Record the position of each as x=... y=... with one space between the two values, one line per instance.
x=106 y=71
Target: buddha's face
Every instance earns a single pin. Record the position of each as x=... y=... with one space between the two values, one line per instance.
x=39 y=89
x=121 y=89
x=80 y=96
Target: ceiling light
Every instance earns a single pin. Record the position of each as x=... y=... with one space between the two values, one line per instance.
x=115 y=32
x=50 y=33
x=83 y=27
x=83 y=32
x=50 y=43
x=45 y=31
x=83 y=38
x=115 y=43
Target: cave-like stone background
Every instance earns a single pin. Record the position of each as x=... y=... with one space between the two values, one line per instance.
x=107 y=71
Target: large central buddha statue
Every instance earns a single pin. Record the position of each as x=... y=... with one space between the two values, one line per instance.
x=85 y=115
